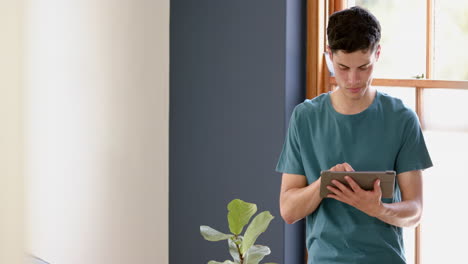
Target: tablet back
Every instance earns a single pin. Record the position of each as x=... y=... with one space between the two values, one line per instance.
x=365 y=179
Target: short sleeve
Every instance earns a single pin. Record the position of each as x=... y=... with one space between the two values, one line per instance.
x=413 y=154
x=290 y=160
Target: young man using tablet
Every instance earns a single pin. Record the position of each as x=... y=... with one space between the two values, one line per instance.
x=353 y=128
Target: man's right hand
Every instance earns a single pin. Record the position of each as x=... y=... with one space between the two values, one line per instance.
x=342 y=167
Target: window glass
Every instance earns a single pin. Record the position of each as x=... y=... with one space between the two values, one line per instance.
x=403 y=42
x=443 y=226
x=446 y=135
x=450 y=40
x=446 y=109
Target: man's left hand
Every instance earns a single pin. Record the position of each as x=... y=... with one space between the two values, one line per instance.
x=367 y=201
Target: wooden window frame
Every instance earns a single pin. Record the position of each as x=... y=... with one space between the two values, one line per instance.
x=318 y=78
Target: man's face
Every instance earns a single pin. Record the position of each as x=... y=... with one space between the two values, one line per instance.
x=353 y=71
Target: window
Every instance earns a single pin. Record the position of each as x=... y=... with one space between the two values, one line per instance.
x=423 y=63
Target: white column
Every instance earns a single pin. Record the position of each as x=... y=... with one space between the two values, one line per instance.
x=97 y=130
x=11 y=138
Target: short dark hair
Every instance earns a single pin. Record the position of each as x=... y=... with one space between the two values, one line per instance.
x=353 y=29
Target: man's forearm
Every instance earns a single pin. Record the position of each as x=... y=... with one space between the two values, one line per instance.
x=297 y=203
x=402 y=214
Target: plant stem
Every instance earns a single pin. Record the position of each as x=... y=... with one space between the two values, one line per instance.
x=239 y=251
x=240 y=255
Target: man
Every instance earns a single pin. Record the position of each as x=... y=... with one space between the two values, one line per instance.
x=353 y=128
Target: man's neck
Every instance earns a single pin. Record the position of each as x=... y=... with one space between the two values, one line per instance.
x=350 y=106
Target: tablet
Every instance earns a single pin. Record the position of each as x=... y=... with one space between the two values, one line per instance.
x=365 y=179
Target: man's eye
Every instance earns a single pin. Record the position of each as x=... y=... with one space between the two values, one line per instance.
x=344 y=68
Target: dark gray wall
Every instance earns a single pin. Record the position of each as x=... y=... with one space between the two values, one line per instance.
x=296 y=43
x=229 y=107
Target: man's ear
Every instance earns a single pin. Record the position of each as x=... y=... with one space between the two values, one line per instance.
x=330 y=53
x=377 y=53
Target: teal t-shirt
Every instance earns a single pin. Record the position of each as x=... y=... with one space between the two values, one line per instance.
x=385 y=136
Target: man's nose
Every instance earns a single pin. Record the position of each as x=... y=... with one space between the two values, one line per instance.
x=354 y=78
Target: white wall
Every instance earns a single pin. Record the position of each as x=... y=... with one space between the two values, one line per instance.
x=97 y=130
x=11 y=168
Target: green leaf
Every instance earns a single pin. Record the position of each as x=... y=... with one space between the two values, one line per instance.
x=225 y=262
x=259 y=225
x=256 y=253
x=211 y=234
x=239 y=215
x=233 y=248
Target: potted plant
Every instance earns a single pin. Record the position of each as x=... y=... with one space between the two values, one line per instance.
x=241 y=247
